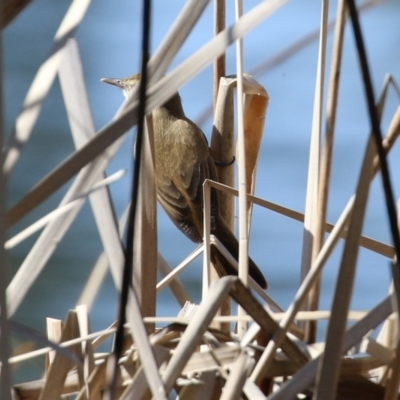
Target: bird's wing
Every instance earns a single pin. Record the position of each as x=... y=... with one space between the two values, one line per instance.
x=180 y=192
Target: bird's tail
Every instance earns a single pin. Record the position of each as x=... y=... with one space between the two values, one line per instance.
x=222 y=265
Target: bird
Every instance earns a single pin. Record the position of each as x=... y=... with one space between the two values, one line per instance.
x=182 y=162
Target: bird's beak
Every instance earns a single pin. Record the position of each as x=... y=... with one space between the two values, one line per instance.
x=113 y=81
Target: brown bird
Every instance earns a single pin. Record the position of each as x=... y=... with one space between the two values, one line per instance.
x=183 y=161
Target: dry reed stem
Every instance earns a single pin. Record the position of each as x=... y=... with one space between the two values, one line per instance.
x=237 y=377
x=326 y=157
x=54 y=328
x=199 y=323
x=42 y=83
x=314 y=156
x=371 y=244
x=330 y=362
x=243 y=223
x=206 y=239
x=5 y=349
x=145 y=230
x=59 y=211
x=46 y=243
x=222 y=145
x=256 y=102
x=100 y=269
x=176 y=286
x=138 y=388
x=60 y=366
x=87 y=347
x=173 y=274
x=285 y=54
x=145 y=350
x=243 y=296
x=220 y=63
x=305 y=376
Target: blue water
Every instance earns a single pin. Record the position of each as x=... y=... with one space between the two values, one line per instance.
x=109 y=43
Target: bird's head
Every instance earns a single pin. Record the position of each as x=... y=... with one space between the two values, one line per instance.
x=125 y=84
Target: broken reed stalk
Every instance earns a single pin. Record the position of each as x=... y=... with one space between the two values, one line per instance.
x=314 y=162
x=326 y=159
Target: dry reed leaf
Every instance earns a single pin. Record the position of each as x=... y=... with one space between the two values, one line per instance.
x=266 y=358
x=52 y=234
x=100 y=269
x=252 y=391
x=369 y=243
x=59 y=211
x=54 y=329
x=379 y=351
x=95 y=384
x=326 y=161
x=145 y=230
x=237 y=377
x=179 y=268
x=392 y=384
x=304 y=377
x=243 y=296
x=330 y=362
x=205 y=360
x=31 y=390
x=283 y=55
x=176 y=286
x=137 y=388
x=42 y=83
x=174 y=39
x=192 y=336
x=145 y=350
x=208 y=388
x=256 y=101
x=311 y=205
x=59 y=368
x=222 y=145
x=358 y=365
x=87 y=349
x=82 y=127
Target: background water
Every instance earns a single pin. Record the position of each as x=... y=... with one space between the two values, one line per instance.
x=109 y=42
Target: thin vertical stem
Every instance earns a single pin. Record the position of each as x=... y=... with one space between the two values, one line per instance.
x=243 y=233
x=206 y=243
x=5 y=378
x=326 y=161
x=315 y=147
x=220 y=62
